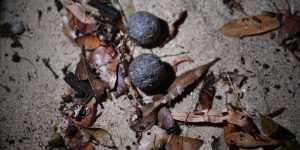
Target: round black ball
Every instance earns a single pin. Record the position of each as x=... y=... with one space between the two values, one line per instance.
x=144 y=27
x=151 y=75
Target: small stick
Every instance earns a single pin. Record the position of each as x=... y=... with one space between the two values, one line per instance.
x=46 y=62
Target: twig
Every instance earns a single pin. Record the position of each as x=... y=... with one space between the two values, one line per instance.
x=46 y=62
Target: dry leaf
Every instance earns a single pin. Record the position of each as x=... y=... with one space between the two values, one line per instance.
x=143 y=123
x=206 y=94
x=81 y=71
x=252 y=25
x=238 y=118
x=165 y=119
x=176 y=142
x=96 y=133
x=245 y=140
x=104 y=61
x=274 y=130
x=88 y=42
x=99 y=87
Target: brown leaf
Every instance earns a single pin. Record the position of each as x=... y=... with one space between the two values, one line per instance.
x=206 y=94
x=99 y=87
x=104 y=61
x=100 y=136
x=176 y=142
x=185 y=80
x=165 y=119
x=143 y=123
x=244 y=140
x=88 y=42
x=275 y=130
x=238 y=118
x=96 y=133
x=211 y=116
x=81 y=71
x=248 y=26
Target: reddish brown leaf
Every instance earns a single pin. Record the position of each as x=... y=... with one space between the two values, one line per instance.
x=252 y=25
x=88 y=42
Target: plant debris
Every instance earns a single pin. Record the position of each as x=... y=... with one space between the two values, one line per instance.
x=46 y=62
x=107 y=69
x=248 y=26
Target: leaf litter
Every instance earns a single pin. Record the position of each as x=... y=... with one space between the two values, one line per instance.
x=99 y=29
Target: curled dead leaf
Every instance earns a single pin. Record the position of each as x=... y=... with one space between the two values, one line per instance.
x=248 y=26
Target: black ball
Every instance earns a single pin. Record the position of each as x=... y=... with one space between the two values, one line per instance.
x=144 y=27
x=151 y=75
